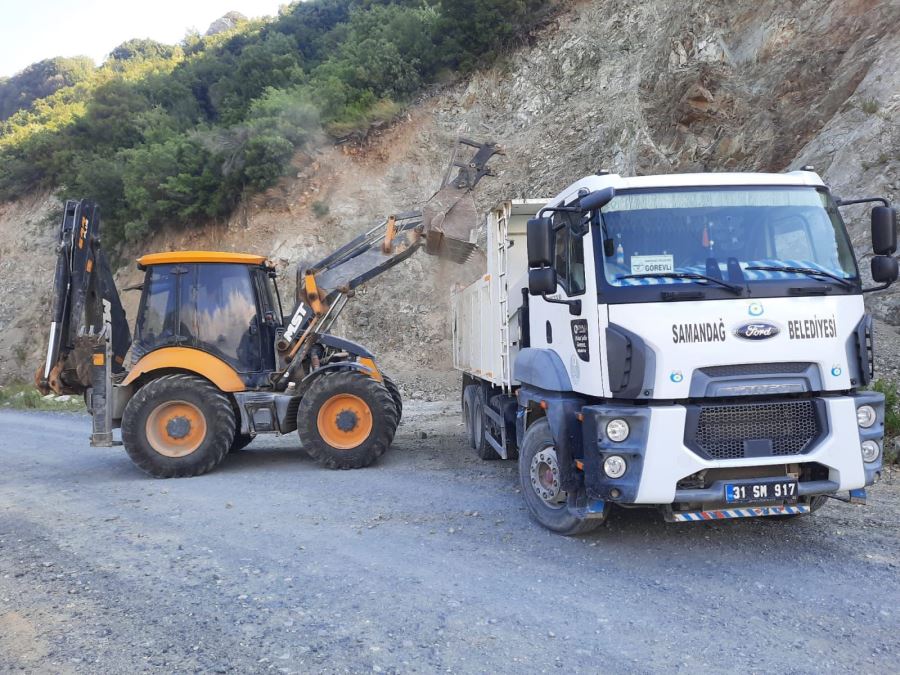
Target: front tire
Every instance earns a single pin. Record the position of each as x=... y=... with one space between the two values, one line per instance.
x=346 y=420
x=178 y=426
x=539 y=479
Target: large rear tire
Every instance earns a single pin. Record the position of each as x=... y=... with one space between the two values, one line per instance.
x=346 y=420
x=178 y=426
x=539 y=479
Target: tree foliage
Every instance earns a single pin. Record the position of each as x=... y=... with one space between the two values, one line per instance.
x=178 y=133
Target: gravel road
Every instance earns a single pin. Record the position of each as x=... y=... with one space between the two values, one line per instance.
x=424 y=562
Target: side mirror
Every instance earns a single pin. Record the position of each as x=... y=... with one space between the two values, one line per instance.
x=597 y=199
x=541 y=281
x=884 y=269
x=541 y=241
x=884 y=230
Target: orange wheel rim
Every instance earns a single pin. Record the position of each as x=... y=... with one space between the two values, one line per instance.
x=176 y=428
x=344 y=421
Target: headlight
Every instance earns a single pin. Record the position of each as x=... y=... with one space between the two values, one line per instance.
x=615 y=466
x=870 y=450
x=617 y=430
x=866 y=416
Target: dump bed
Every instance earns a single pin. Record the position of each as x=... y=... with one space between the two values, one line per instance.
x=485 y=314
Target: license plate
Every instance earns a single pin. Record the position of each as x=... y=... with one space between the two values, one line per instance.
x=761 y=491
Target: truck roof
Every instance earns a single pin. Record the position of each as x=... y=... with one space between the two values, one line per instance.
x=796 y=178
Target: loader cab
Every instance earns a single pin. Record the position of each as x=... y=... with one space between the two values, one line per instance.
x=224 y=304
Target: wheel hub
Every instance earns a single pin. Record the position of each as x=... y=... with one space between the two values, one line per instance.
x=175 y=428
x=178 y=427
x=347 y=420
x=545 y=478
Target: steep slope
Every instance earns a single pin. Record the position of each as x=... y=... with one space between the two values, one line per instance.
x=634 y=87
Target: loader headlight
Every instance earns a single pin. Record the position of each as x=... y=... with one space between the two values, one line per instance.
x=617 y=430
x=866 y=416
x=615 y=466
x=870 y=450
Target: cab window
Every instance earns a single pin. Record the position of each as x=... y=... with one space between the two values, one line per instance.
x=569 y=256
x=225 y=315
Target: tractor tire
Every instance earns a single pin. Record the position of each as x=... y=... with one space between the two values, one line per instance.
x=240 y=442
x=539 y=479
x=394 y=391
x=346 y=420
x=178 y=426
x=479 y=428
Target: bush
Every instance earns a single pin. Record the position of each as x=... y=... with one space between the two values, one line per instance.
x=891 y=416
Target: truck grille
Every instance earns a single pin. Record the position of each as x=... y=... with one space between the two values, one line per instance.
x=756 y=430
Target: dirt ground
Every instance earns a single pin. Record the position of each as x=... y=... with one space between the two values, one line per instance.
x=424 y=562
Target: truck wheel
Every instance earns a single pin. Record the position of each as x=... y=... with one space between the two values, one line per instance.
x=394 y=391
x=468 y=410
x=479 y=428
x=240 y=442
x=539 y=478
x=346 y=420
x=178 y=426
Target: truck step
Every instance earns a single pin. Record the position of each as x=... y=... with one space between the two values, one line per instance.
x=723 y=514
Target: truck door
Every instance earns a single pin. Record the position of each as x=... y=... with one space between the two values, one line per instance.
x=574 y=337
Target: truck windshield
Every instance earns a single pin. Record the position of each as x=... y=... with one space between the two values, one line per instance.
x=772 y=240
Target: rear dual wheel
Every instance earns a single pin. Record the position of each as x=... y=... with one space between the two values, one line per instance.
x=347 y=420
x=178 y=426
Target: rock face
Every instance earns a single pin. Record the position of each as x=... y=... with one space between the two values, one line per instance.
x=633 y=87
x=225 y=23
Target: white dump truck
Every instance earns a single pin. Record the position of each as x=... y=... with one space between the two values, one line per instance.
x=693 y=342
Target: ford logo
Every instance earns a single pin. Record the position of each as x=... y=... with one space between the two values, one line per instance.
x=758 y=330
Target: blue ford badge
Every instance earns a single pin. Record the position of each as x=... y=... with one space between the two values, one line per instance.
x=758 y=330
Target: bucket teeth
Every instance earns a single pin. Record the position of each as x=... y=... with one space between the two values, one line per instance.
x=450 y=216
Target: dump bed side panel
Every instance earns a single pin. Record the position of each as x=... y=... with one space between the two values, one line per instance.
x=485 y=313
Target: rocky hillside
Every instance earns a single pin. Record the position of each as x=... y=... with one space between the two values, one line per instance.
x=634 y=87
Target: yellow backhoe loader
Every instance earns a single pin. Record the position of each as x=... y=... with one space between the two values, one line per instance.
x=215 y=362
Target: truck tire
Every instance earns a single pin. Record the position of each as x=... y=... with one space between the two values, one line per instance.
x=479 y=428
x=240 y=442
x=394 y=391
x=178 y=426
x=346 y=420
x=468 y=409
x=539 y=478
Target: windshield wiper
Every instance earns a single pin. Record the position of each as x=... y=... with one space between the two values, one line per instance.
x=809 y=271
x=694 y=276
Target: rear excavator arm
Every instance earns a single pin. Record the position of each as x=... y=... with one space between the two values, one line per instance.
x=443 y=227
x=86 y=309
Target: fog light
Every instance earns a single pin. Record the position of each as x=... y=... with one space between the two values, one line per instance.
x=870 y=450
x=615 y=466
x=865 y=416
x=617 y=430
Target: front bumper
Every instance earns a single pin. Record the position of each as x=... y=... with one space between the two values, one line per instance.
x=659 y=458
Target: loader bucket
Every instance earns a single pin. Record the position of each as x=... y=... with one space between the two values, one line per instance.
x=450 y=217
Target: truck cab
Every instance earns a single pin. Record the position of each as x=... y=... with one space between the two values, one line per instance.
x=693 y=342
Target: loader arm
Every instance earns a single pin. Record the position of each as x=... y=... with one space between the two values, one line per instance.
x=443 y=227
x=86 y=311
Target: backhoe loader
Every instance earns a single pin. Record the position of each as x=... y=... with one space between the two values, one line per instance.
x=214 y=360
